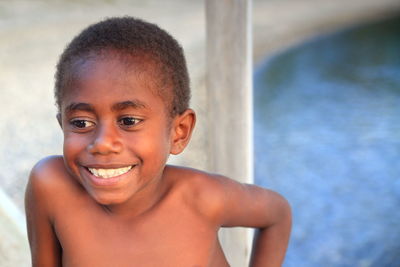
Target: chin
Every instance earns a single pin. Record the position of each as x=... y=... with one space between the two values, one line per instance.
x=109 y=199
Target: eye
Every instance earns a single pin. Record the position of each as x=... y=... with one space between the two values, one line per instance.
x=81 y=124
x=129 y=121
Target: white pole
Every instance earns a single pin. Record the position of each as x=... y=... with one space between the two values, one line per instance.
x=229 y=90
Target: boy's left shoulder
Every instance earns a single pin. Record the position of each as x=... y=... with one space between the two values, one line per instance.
x=195 y=181
x=202 y=190
x=227 y=202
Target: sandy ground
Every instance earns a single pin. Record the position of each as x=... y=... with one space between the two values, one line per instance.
x=33 y=34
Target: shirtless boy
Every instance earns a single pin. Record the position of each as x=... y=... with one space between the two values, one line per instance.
x=122 y=90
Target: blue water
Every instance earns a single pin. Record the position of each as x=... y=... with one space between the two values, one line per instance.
x=327 y=137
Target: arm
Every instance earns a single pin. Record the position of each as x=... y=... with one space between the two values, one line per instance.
x=45 y=248
x=252 y=206
x=270 y=242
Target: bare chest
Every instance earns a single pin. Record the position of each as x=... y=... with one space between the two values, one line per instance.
x=175 y=238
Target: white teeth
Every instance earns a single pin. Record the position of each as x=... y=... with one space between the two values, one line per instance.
x=108 y=173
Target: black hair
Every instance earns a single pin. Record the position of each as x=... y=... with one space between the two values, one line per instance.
x=134 y=38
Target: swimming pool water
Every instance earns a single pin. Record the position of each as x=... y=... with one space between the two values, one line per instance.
x=327 y=136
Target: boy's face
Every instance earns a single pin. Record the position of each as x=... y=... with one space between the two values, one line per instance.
x=117 y=133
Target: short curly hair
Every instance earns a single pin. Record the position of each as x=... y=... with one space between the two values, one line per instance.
x=133 y=38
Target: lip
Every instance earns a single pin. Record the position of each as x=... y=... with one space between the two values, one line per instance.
x=107 y=166
x=101 y=182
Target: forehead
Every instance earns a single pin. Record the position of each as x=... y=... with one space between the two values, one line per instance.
x=116 y=66
x=143 y=65
x=110 y=78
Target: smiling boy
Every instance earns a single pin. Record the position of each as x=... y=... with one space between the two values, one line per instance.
x=122 y=91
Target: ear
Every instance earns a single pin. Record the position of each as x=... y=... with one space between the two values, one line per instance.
x=59 y=119
x=181 y=130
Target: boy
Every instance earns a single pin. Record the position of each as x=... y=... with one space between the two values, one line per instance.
x=122 y=91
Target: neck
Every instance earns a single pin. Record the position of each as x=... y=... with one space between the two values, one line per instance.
x=141 y=202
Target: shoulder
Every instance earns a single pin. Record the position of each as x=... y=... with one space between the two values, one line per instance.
x=227 y=202
x=40 y=206
x=48 y=182
x=197 y=183
x=204 y=192
x=47 y=166
x=48 y=172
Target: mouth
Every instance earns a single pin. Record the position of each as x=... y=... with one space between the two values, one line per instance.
x=109 y=173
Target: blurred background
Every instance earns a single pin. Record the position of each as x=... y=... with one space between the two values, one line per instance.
x=327 y=136
x=326 y=86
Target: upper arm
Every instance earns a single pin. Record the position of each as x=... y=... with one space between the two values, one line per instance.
x=231 y=204
x=249 y=205
x=45 y=248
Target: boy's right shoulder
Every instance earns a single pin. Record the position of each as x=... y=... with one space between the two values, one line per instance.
x=48 y=169
x=47 y=187
x=49 y=177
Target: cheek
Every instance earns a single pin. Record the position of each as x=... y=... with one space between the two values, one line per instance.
x=154 y=146
x=73 y=144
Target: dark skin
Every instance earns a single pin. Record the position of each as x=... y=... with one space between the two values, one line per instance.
x=111 y=200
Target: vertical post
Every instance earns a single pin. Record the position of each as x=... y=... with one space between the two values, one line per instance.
x=229 y=90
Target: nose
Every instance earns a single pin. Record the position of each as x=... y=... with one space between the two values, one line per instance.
x=106 y=141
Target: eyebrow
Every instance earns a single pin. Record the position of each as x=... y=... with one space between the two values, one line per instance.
x=136 y=104
x=79 y=106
